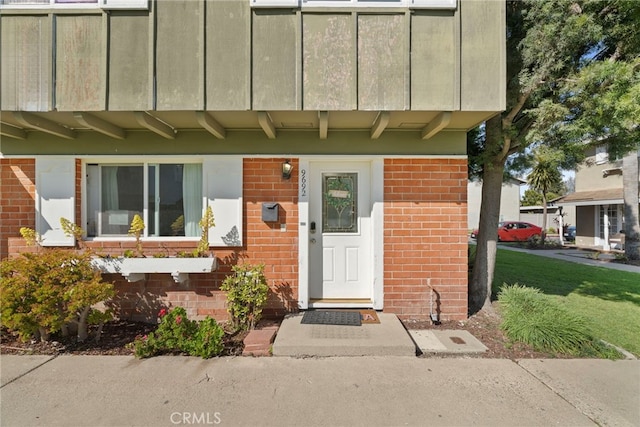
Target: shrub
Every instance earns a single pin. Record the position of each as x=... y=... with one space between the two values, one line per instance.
x=50 y=291
x=533 y=318
x=207 y=341
x=246 y=292
x=176 y=333
x=137 y=227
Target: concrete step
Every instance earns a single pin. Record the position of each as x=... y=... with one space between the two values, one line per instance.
x=387 y=338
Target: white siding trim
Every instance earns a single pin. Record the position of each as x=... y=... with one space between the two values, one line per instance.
x=55 y=198
x=222 y=186
x=377 y=225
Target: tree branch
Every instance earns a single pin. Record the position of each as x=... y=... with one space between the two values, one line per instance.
x=522 y=99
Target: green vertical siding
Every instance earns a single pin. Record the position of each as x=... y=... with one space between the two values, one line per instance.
x=329 y=62
x=129 y=62
x=180 y=55
x=80 y=63
x=275 y=63
x=435 y=65
x=228 y=55
x=382 y=56
x=483 y=56
x=25 y=59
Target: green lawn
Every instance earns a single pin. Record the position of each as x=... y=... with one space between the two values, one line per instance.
x=608 y=299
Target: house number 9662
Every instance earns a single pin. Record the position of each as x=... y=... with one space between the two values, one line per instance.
x=303 y=182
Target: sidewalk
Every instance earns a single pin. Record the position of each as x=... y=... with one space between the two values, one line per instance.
x=579 y=256
x=337 y=391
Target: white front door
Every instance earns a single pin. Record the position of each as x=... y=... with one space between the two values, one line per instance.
x=340 y=255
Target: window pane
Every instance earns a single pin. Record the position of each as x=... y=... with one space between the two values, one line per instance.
x=178 y=204
x=339 y=203
x=122 y=189
x=171 y=204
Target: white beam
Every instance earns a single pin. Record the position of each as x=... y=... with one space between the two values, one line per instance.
x=32 y=121
x=12 y=131
x=211 y=125
x=323 y=117
x=155 y=125
x=380 y=124
x=267 y=124
x=99 y=125
x=436 y=125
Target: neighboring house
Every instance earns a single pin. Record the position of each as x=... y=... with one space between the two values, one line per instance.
x=598 y=201
x=162 y=108
x=509 y=201
x=535 y=214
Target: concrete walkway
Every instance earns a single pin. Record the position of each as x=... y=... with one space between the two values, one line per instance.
x=388 y=338
x=339 y=391
x=579 y=256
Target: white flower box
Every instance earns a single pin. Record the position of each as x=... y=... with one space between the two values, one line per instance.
x=135 y=269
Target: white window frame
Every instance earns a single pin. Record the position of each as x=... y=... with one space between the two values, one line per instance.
x=145 y=197
x=413 y=4
x=55 y=198
x=222 y=189
x=98 y=4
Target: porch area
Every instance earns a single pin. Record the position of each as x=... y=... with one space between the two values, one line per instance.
x=387 y=338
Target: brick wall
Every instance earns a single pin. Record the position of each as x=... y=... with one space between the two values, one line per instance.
x=268 y=243
x=17 y=193
x=425 y=236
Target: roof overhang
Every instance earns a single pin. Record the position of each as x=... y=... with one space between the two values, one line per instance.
x=168 y=124
x=613 y=196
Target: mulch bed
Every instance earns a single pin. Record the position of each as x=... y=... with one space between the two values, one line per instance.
x=117 y=334
x=486 y=328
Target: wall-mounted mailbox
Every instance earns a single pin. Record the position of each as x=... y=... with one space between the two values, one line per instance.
x=270 y=212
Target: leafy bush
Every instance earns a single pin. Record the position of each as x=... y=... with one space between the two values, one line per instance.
x=246 y=292
x=533 y=318
x=176 y=333
x=207 y=341
x=51 y=291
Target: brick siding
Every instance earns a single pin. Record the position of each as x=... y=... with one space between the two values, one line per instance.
x=424 y=238
x=264 y=243
x=425 y=217
x=17 y=193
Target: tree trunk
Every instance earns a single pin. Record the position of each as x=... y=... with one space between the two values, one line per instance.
x=543 y=234
x=83 y=327
x=483 y=269
x=630 y=177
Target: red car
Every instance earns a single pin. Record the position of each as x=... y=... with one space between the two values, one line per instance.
x=515 y=231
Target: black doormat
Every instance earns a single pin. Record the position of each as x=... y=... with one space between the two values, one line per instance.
x=329 y=317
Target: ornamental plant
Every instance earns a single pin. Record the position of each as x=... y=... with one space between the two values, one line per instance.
x=205 y=223
x=246 y=290
x=176 y=333
x=50 y=291
x=72 y=229
x=534 y=318
x=136 y=229
x=202 y=250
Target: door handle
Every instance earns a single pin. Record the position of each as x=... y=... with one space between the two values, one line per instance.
x=312 y=240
